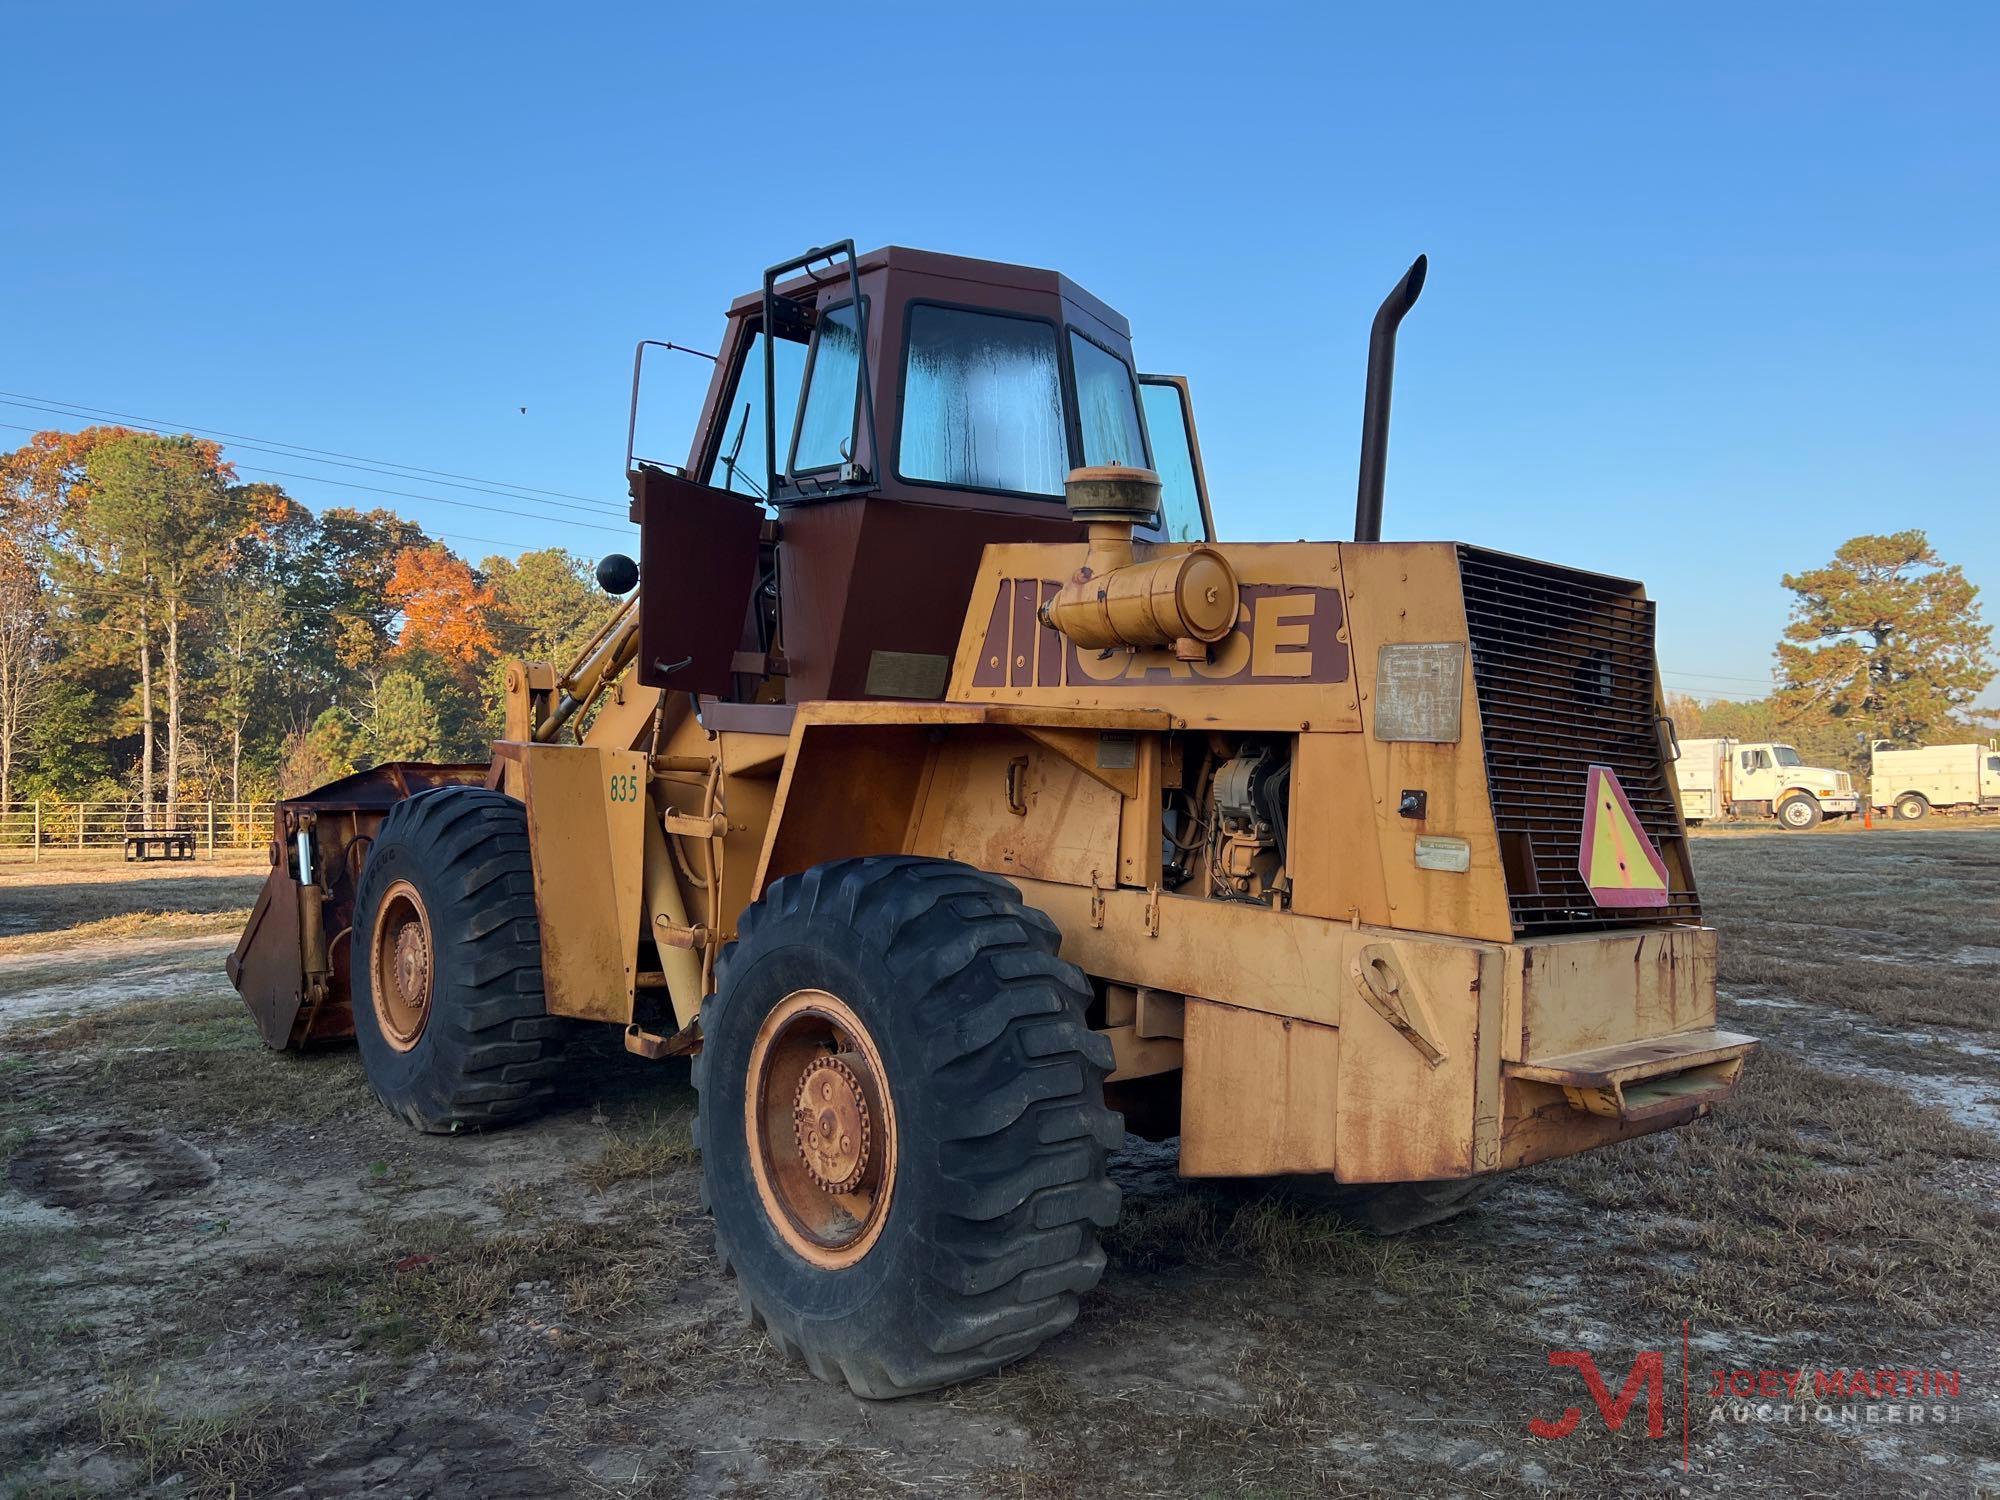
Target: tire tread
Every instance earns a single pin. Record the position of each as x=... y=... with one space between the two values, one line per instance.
x=1023 y=1188
x=507 y=1050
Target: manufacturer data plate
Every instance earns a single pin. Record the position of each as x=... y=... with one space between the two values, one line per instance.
x=1434 y=853
x=1418 y=687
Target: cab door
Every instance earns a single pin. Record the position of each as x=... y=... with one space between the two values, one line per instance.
x=697 y=570
x=1756 y=774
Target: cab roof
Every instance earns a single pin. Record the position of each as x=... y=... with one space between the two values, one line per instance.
x=933 y=263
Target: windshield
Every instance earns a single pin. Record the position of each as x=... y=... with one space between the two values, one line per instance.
x=1787 y=756
x=739 y=463
x=982 y=402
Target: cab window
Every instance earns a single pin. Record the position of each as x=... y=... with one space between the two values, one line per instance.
x=1167 y=424
x=982 y=402
x=1787 y=756
x=833 y=385
x=1756 y=760
x=739 y=463
x=1107 y=405
x=1993 y=763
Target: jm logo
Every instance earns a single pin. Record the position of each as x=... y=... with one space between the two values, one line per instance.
x=1648 y=1374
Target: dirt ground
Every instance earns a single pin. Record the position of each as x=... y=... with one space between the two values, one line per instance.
x=228 y=1271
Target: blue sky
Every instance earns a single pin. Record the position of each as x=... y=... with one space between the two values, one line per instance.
x=1712 y=289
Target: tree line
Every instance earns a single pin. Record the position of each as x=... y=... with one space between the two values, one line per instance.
x=168 y=633
x=1885 y=642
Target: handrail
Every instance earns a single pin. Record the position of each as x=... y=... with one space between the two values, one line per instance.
x=638 y=361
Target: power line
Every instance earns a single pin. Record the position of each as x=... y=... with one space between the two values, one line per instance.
x=330 y=453
x=526 y=515
x=592 y=507
x=1713 y=689
x=506 y=544
x=393 y=472
x=1712 y=695
x=625 y=530
x=1718 y=676
x=114 y=586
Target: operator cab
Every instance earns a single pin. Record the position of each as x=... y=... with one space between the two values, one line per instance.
x=873 y=423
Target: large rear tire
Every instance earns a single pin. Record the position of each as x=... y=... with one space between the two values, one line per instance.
x=449 y=1013
x=902 y=1123
x=1912 y=808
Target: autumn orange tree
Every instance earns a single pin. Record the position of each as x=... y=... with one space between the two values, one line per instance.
x=342 y=624
x=445 y=607
x=47 y=480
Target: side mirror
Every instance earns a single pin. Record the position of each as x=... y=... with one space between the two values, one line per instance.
x=617 y=573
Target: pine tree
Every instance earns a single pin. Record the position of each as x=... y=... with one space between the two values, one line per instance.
x=403 y=726
x=1886 y=639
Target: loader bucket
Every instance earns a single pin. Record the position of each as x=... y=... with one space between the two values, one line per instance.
x=291 y=964
x=266 y=967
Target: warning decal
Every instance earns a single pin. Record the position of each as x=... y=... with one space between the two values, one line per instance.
x=1617 y=861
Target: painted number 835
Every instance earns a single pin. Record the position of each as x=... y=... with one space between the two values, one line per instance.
x=624 y=787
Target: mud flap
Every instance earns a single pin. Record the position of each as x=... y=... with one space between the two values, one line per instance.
x=586 y=813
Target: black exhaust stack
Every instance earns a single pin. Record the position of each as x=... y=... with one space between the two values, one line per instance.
x=1375 y=404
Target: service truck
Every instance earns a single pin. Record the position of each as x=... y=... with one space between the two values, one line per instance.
x=1724 y=778
x=1941 y=778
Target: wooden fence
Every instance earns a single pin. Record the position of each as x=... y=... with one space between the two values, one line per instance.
x=30 y=829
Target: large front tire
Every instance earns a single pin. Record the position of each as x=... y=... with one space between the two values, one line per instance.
x=449 y=1014
x=902 y=1123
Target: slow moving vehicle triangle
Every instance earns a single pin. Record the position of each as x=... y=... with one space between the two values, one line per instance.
x=1617 y=861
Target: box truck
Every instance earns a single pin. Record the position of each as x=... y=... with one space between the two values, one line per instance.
x=1724 y=778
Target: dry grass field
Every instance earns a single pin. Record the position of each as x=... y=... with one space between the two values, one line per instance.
x=224 y=1271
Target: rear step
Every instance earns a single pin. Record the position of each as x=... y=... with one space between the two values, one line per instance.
x=1634 y=1081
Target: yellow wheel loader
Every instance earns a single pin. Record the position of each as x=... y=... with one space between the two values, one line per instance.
x=959 y=803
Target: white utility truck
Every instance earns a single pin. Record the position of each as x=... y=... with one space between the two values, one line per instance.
x=1936 y=778
x=1750 y=779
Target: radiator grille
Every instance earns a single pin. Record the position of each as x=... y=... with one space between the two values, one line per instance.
x=1562 y=665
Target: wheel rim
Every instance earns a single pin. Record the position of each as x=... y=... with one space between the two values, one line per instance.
x=1796 y=814
x=402 y=963
x=821 y=1127
x=1911 y=810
